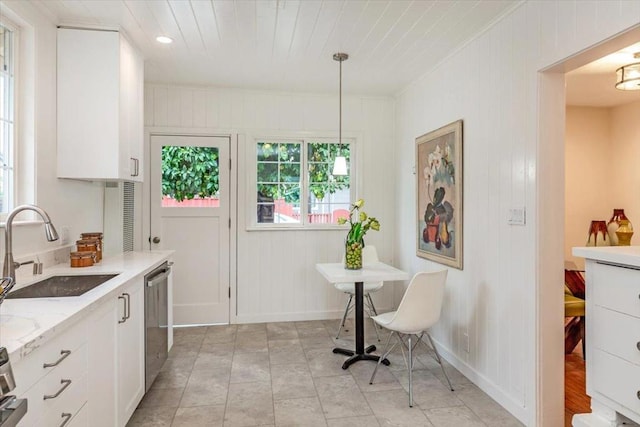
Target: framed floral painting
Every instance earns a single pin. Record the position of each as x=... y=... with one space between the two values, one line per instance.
x=439 y=198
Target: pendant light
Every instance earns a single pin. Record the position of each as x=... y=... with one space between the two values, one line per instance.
x=628 y=76
x=340 y=163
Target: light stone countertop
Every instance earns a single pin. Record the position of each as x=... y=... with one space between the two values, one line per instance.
x=622 y=255
x=26 y=324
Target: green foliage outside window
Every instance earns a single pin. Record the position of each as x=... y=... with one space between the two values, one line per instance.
x=189 y=172
x=279 y=170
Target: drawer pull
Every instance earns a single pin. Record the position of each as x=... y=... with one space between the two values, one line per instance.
x=64 y=354
x=638 y=345
x=638 y=394
x=66 y=383
x=67 y=417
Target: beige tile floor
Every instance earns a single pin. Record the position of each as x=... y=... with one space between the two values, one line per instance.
x=284 y=374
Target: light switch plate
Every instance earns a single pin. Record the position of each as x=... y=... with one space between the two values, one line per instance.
x=517 y=216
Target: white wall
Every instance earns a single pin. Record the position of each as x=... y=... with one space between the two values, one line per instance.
x=601 y=146
x=494 y=85
x=589 y=174
x=75 y=204
x=276 y=275
x=623 y=178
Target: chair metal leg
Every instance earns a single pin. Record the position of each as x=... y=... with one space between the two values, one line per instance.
x=373 y=307
x=372 y=310
x=385 y=353
x=410 y=373
x=435 y=350
x=344 y=318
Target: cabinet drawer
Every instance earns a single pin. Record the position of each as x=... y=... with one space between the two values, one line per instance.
x=81 y=419
x=74 y=369
x=29 y=370
x=617 y=288
x=617 y=379
x=68 y=406
x=616 y=333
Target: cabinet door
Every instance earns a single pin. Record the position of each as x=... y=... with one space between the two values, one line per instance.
x=130 y=337
x=131 y=112
x=101 y=407
x=88 y=70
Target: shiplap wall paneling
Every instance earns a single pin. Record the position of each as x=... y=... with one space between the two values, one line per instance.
x=493 y=299
x=276 y=275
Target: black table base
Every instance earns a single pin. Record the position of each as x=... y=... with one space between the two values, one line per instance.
x=360 y=353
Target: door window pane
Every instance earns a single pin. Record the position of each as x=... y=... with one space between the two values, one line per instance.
x=190 y=177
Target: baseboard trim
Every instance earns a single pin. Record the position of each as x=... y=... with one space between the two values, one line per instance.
x=295 y=316
x=493 y=390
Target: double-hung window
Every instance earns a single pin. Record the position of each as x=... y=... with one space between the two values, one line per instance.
x=295 y=185
x=7 y=118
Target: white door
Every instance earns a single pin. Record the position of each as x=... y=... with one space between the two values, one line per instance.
x=190 y=214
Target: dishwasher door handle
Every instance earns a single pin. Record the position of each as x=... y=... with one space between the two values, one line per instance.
x=162 y=275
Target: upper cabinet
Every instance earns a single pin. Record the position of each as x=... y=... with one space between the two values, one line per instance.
x=100 y=106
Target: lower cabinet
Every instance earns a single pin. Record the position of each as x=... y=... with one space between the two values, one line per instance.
x=116 y=357
x=53 y=378
x=92 y=374
x=102 y=325
x=130 y=350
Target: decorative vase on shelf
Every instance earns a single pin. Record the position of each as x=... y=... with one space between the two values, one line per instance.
x=598 y=235
x=353 y=255
x=624 y=233
x=613 y=224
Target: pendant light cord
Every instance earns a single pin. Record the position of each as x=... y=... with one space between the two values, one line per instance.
x=340 y=121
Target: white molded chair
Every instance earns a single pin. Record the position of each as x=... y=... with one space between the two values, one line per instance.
x=369 y=255
x=418 y=311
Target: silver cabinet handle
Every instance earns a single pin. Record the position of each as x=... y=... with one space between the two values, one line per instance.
x=124 y=315
x=66 y=418
x=128 y=305
x=64 y=354
x=135 y=166
x=65 y=384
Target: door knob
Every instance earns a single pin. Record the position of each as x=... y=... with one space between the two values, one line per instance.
x=156 y=240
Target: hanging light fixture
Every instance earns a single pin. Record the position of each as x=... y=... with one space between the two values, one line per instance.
x=340 y=163
x=628 y=76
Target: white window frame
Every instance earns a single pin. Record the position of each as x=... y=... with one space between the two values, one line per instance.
x=10 y=186
x=252 y=220
x=24 y=130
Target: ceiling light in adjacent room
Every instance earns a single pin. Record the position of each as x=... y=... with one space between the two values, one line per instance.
x=628 y=76
x=164 y=39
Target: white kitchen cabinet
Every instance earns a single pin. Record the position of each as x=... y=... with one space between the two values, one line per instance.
x=116 y=357
x=54 y=378
x=102 y=324
x=100 y=106
x=130 y=349
x=612 y=344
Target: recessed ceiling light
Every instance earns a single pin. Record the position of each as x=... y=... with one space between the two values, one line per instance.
x=164 y=39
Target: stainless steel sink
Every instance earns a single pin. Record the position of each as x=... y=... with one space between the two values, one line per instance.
x=61 y=286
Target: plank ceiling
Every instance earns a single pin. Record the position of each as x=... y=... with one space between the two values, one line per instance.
x=288 y=44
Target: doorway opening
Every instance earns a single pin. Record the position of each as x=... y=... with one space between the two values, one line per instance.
x=601 y=148
x=559 y=158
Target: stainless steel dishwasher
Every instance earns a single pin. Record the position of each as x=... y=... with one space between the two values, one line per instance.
x=156 y=321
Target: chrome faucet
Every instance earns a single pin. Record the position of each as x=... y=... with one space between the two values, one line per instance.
x=9 y=268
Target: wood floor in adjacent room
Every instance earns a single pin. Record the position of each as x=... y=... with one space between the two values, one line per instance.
x=576 y=400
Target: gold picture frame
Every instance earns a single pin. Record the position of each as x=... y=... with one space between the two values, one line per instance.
x=439 y=234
